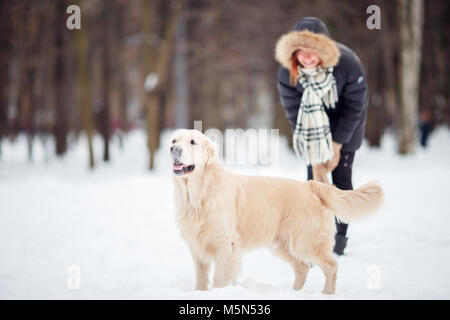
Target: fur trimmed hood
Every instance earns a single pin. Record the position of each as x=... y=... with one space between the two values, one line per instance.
x=309 y=34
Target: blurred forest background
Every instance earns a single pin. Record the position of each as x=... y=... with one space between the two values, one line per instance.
x=159 y=64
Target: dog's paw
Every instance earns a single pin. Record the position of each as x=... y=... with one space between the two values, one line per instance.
x=297 y=286
x=329 y=291
x=219 y=283
x=201 y=287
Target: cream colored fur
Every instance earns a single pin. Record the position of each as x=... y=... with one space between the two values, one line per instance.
x=222 y=214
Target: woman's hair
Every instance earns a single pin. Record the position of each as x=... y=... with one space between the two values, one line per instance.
x=293 y=72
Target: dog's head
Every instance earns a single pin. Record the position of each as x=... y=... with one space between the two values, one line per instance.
x=191 y=152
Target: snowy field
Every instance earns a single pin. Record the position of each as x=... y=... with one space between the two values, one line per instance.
x=69 y=233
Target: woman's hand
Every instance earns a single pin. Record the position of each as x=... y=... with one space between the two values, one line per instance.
x=333 y=163
x=319 y=172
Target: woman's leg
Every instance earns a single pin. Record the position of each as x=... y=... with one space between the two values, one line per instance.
x=342 y=179
x=309 y=172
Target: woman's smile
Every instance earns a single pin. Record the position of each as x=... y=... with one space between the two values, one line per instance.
x=307 y=59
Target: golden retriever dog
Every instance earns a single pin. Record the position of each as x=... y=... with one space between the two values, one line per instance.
x=222 y=214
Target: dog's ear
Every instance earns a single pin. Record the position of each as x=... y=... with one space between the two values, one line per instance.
x=211 y=152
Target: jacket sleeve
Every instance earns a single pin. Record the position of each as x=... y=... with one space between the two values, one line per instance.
x=290 y=96
x=354 y=100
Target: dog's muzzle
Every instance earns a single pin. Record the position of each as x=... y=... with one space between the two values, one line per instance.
x=179 y=168
x=176 y=152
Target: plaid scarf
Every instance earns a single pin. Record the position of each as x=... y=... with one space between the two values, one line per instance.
x=312 y=136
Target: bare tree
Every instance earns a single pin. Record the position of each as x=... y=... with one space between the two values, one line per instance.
x=180 y=76
x=4 y=65
x=157 y=59
x=86 y=95
x=410 y=17
x=105 y=113
x=60 y=77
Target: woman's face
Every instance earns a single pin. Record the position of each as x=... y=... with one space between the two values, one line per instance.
x=308 y=60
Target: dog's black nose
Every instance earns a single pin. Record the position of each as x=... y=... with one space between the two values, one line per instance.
x=176 y=151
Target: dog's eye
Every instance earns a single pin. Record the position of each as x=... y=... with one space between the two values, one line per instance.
x=193 y=142
x=174 y=140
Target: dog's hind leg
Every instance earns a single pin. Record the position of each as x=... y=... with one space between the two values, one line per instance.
x=328 y=265
x=301 y=269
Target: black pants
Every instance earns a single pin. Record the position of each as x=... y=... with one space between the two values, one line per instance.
x=342 y=178
x=425 y=129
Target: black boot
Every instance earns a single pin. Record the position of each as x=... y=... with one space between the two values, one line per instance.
x=341 y=243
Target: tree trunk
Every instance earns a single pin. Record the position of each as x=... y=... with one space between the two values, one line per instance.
x=410 y=13
x=148 y=9
x=119 y=70
x=389 y=45
x=4 y=62
x=86 y=98
x=180 y=74
x=157 y=61
x=61 y=120
x=105 y=113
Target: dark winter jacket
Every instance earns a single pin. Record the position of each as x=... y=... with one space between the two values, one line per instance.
x=347 y=120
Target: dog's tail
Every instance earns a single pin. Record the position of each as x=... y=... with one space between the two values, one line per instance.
x=349 y=205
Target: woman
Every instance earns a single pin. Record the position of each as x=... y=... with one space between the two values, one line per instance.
x=324 y=92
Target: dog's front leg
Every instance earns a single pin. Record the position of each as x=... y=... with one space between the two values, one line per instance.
x=202 y=267
x=227 y=264
x=201 y=273
x=220 y=269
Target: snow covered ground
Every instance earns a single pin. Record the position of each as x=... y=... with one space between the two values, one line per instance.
x=69 y=233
